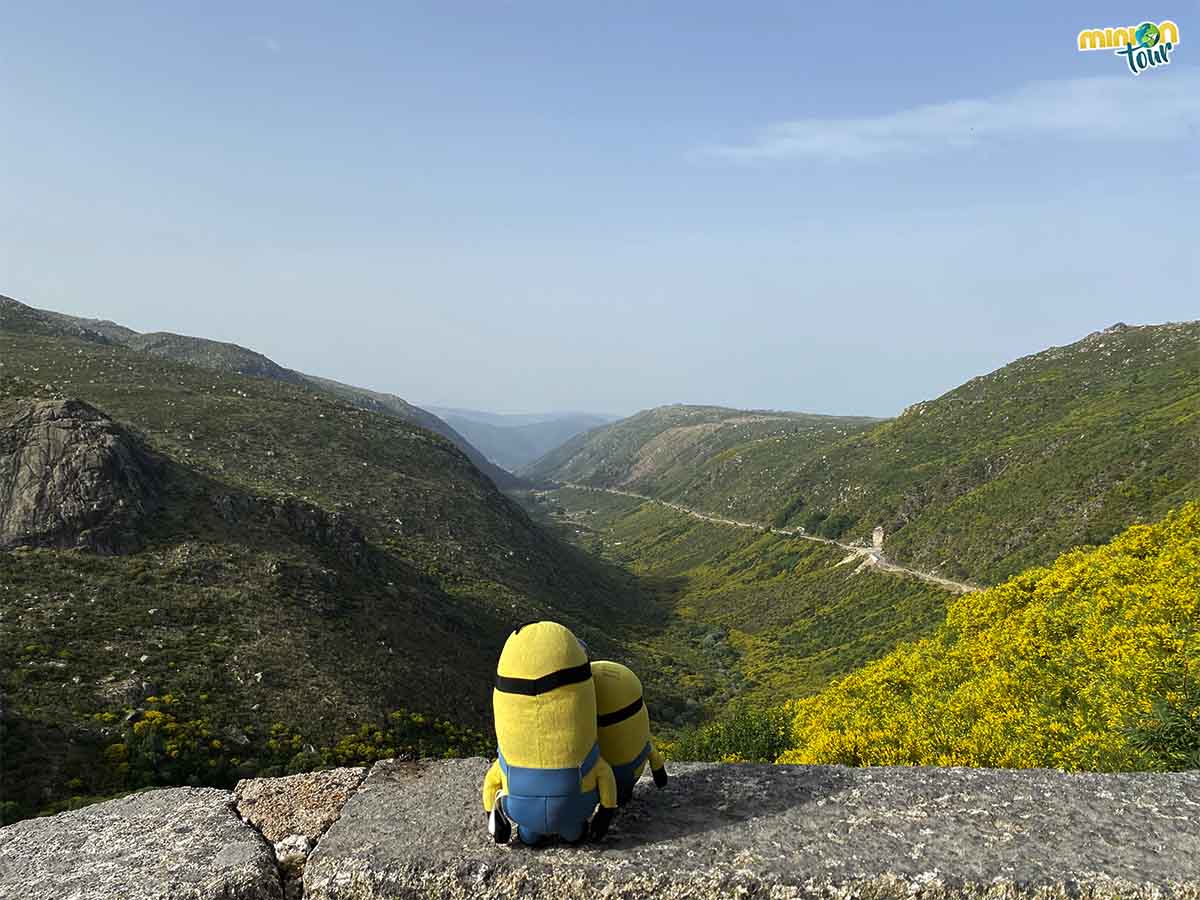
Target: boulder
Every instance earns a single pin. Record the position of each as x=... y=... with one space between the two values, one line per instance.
x=71 y=477
x=716 y=831
x=175 y=844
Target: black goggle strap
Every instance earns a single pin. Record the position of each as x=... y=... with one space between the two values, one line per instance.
x=531 y=687
x=619 y=715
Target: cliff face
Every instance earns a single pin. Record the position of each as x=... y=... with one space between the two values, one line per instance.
x=70 y=477
x=416 y=830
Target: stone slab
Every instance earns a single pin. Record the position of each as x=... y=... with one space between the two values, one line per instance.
x=419 y=831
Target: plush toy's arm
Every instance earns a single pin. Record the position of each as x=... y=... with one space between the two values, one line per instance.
x=658 y=767
x=606 y=783
x=492 y=784
x=656 y=759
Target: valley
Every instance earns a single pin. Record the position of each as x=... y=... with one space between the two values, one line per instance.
x=1058 y=450
x=779 y=614
x=866 y=557
x=516 y=440
x=596 y=451
x=212 y=566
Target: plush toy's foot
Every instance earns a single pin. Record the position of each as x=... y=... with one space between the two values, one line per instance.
x=660 y=776
x=531 y=838
x=498 y=825
x=600 y=822
x=575 y=837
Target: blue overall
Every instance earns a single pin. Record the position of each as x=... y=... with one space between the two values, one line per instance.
x=549 y=801
x=626 y=775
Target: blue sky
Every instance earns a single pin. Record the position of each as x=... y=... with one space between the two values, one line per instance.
x=526 y=206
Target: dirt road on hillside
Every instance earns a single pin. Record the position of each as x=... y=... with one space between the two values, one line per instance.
x=868 y=557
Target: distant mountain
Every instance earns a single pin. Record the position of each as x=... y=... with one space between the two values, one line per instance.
x=234 y=359
x=1067 y=446
x=513 y=440
x=657 y=449
x=507 y=420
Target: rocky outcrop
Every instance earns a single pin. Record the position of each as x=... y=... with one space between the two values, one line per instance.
x=416 y=830
x=71 y=477
x=175 y=844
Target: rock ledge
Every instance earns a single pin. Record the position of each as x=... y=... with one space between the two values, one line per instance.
x=416 y=830
x=782 y=832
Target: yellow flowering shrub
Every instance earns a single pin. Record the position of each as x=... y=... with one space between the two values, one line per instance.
x=1050 y=668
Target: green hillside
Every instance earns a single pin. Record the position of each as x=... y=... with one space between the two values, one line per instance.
x=1063 y=447
x=660 y=450
x=309 y=566
x=206 y=354
x=1091 y=663
x=390 y=404
x=234 y=359
x=17 y=317
x=778 y=616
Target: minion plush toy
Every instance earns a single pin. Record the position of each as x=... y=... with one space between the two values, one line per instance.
x=624 y=728
x=550 y=775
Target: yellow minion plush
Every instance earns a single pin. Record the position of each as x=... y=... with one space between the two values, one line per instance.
x=624 y=728
x=549 y=775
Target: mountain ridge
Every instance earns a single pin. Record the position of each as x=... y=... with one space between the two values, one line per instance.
x=1089 y=436
x=628 y=451
x=230 y=357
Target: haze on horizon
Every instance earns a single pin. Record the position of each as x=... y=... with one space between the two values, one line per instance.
x=536 y=207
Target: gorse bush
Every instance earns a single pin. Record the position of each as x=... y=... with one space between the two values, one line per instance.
x=1086 y=664
x=743 y=735
x=1169 y=737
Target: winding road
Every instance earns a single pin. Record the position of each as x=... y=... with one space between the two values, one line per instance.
x=868 y=557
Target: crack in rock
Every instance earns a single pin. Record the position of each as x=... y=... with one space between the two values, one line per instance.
x=292 y=813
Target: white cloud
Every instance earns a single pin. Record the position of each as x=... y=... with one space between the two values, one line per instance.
x=1159 y=105
x=269 y=43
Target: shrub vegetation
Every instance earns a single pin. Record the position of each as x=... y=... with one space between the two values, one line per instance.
x=1088 y=664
